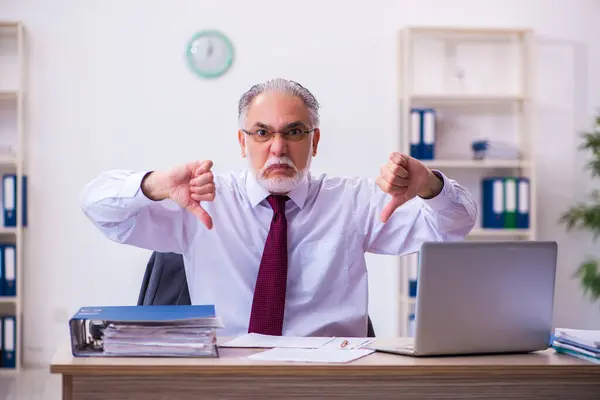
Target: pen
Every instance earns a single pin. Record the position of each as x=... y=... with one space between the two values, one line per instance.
x=344 y=344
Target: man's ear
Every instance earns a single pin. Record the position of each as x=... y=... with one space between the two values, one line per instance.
x=315 y=141
x=242 y=141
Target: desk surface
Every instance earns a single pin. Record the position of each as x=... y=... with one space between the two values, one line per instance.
x=233 y=361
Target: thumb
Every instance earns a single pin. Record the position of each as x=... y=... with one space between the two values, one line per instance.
x=390 y=207
x=196 y=209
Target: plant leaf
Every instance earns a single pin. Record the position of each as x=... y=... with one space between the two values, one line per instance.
x=589 y=278
x=584 y=216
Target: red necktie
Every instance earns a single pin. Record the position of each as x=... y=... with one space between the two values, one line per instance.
x=269 y=293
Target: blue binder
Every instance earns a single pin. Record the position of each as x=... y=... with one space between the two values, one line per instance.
x=9 y=336
x=2 y=279
x=493 y=202
x=416 y=133
x=428 y=133
x=9 y=200
x=9 y=266
x=523 y=203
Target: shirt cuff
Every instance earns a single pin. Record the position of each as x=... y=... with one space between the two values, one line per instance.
x=132 y=190
x=446 y=197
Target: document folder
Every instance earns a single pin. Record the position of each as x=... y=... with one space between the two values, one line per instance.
x=151 y=331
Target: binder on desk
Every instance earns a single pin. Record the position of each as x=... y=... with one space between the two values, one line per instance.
x=9 y=336
x=9 y=200
x=138 y=331
x=8 y=263
x=493 y=202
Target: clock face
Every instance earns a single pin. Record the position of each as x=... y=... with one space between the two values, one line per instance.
x=210 y=54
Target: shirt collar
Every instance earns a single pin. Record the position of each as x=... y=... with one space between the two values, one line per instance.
x=257 y=193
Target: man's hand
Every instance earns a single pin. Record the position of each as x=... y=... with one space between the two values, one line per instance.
x=187 y=185
x=404 y=178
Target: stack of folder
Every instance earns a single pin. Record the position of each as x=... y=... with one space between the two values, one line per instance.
x=506 y=201
x=151 y=331
x=578 y=343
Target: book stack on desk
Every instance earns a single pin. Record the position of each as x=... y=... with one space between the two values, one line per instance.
x=578 y=343
x=151 y=331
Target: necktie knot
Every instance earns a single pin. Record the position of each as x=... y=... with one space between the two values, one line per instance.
x=277 y=203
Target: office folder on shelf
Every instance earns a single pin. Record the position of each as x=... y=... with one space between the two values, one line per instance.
x=9 y=200
x=416 y=134
x=2 y=280
x=510 y=203
x=151 y=331
x=505 y=202
x=523 y=203
x=422 y=137
x=493 y=200
x=8 y=270
x=8 y=328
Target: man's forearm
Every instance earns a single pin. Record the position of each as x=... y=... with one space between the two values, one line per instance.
x=434 y=186
x=153 y=186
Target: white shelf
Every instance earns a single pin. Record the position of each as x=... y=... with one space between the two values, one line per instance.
x=471 y=31
x=479 y=82
x=9 y=24
x=469 y=99
x=8 y=300
x=486 y=232
x=12 y=89
x=476 y=163
x=9 y=95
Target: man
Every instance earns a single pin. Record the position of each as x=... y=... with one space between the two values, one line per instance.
x=277 y=250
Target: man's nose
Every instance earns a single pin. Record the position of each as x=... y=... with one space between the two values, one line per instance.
x=278 y=145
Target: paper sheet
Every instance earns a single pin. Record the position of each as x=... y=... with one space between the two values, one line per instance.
x=585 y=337
x=322 y=355
x=342 y=343
x=254 y=340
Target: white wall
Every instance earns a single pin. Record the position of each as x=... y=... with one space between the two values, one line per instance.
x=108 y=88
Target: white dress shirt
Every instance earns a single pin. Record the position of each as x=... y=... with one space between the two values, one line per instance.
x=332 y=222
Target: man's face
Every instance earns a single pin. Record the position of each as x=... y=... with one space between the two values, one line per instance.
x=278 y=149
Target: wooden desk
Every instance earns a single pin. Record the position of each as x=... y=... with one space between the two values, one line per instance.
x=378 y=376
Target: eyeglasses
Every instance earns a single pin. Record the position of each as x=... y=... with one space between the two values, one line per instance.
x=291 y=134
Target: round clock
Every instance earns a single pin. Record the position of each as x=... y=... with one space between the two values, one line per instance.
x=210 y=53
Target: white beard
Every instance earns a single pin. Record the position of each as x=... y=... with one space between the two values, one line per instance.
x=282 y=184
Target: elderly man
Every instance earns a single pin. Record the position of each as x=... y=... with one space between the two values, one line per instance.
x=278 y=250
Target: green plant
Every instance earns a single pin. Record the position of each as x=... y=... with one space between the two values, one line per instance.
x=585 y=215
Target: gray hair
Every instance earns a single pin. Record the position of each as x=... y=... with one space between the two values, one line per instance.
x=283 y=86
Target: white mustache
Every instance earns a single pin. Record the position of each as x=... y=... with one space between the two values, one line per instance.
x=278 y=161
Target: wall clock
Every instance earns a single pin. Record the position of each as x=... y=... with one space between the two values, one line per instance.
x=209 y=53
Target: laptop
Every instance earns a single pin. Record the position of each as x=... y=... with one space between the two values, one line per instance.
x=481 y=298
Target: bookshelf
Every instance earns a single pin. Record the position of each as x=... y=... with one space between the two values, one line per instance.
x=476 y=83
x=12 y=89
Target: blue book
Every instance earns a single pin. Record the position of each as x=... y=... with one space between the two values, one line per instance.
x=493 y=202
x=138 y=331
x=416 y=133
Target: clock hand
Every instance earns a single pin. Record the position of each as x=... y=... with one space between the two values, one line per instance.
x=209 y=51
